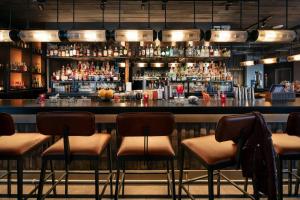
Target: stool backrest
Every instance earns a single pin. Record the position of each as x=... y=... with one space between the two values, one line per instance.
x=145 y=124
x=231 y=127
x=293 y=124
x=6 y=124
x=57 y=123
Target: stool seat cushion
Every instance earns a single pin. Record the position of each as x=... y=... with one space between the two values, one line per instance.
x=20 y=143
x=211 y=151
x=285 y=144
x=135 y=146
x=80 y=145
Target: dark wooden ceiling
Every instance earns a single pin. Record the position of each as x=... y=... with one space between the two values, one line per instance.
x=225 y=12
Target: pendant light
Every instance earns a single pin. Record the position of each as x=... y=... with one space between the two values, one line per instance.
x=267 y=61
x=185 y=35
x=293 y=58
x=283 y=36
x=247 y=63
x=127 y=35
x=83 y=35
x=41 y=35
x=226 y=35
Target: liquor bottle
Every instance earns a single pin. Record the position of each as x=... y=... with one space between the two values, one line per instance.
x=143 y=51
x=163 y=52
x=51 y=52
x=171 y=52
x=116 y=52
x=105 y=52
x=71 y=51
x=206 y=52
x=74 y=50
x=198 y=51
x=151 y=51
x=95 y=52
x=211 y=52
x=216 y=52
x=99 y=52
x=88 y=51
x=110 y=51
x=155 y=51
x=167 y=52
x=67 y=51
x=158 y=51
x=125 y=51
x=175 y=52
x=147 y=51
x=121 y=51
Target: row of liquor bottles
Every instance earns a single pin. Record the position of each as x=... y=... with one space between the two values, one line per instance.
x=23 y=67
x=24 y=45
x=149 y=51
x=86 y=71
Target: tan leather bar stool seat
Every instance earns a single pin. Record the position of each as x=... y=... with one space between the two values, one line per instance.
x=81 y=145
x=20 y=143
x=211 y=151
x=285 y=144
x=157 y=146
x=16 y=146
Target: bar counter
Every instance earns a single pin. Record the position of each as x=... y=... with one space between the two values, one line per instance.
x=230 y=106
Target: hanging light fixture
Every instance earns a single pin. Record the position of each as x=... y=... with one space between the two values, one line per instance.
x=283 y=36
x=225 y=35
x=122 y=64
x=125 y=35
x=247 y=63
x=4 y=36
x=83 y=35
x=272 y=36
x=134 y=35
x=39 y=35
x=141 y=64
x=157 y=64
x=293 y=58
x=267 y=61
x=185 y=35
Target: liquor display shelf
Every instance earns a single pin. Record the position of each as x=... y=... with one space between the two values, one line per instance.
x=86 y=58
x=88 y=81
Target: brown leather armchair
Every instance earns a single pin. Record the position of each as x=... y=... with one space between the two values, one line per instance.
x=15 y=146
x=79 y=142
x=144 y=136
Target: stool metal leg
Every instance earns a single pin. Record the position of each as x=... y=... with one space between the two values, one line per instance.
x=67 y=180
x=8 y=178
x=173 y=180
x=52 y=176
x=290 y=170
x=181 y=158
x=109 y=164
x=117 y=180
x=96 y=180
x=168 y=180
x=218 y=184
x=210 y=183
x=297 y=180
x=42 y=177
x=246 y=185
x=123 y=179
x=280 y=182
x=20 y=178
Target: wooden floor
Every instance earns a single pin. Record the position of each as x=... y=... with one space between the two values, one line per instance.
x=145 y=190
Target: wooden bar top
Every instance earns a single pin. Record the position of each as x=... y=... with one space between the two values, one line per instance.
x=231 y=106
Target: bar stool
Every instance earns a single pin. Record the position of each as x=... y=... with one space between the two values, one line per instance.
x=287 y=147
x=16 y=146
x=79 y=142
x=145 y=136
x=214 y=155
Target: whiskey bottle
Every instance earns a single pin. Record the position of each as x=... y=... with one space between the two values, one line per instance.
x=116 y=52
x=158 y=51
x=143 y=52
x=110 y=51
x=151 y=51
x=125 y=51
x=167 y=52
x=105 y=52
x=171 y=51
x=147 y=51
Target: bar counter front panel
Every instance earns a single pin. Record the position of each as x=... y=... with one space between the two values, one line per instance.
x=191 y=120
